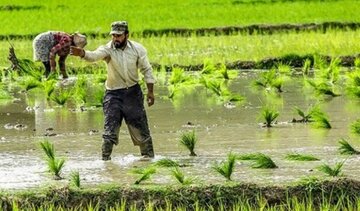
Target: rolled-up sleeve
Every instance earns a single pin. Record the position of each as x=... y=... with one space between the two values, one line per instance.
x=145 y=67
x=100 y=53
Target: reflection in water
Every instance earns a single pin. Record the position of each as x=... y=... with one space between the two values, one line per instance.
x=220 y=130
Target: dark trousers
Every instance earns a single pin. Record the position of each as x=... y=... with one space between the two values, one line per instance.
x=127 y=104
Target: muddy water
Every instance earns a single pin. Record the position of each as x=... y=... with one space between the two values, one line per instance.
x=221 y=129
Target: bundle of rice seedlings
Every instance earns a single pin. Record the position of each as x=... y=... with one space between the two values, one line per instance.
x=321 y=121
x=263 y=161
x=300 y=157
x=55 y=165
x=75 y=179
x=189 y=140
x=145 y=174
x=334 y=172
x=269 y=115
x=226 y=168
x=346 y=149
x=165 y=162
x=355 y=127
x=180 y=177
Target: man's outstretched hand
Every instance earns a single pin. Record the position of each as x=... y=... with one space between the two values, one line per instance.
x=76 y=51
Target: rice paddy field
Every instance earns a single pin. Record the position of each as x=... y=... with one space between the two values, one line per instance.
x=256 y=108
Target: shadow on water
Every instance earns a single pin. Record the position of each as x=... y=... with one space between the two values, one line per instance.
x=77 y=138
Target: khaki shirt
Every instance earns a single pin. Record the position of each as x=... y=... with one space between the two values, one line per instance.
x=123 y=65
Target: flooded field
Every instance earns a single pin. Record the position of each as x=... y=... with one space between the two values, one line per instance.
x=220 y=129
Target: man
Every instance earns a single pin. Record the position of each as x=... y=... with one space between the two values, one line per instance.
x=49 y=44
x=123 y=97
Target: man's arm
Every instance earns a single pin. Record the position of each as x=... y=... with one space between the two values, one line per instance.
x=150 y=98
x=90 y=56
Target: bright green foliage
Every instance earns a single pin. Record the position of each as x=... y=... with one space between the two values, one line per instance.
x=270 y=80
x=264 y=162
x=75 y=179
x=355 y=127
x=61 y=96
x=55 y=165
x=145 y=174
x=299 y=157
x=28 y=83
x=353 y=83
x=321 y=120
x=346 y=149
x=251 y=156
x=226 y=168
x=334 y=172
x=269 y=115
x=165 y=162
x=180 y=177
x=189 y=140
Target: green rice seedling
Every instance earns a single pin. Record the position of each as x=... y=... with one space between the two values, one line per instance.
x=299 y=157
x=189 y=140
x=334 y=172
x=269 y=115
x=75 y=179
x=263 y=161
x=178 y=76
x=322 y=87
x=355 y=127
x=27 y=83
x=353 y=83
x=306 y=68
x=330 y=73
x=346 y=149
x=28 y=68
x=307 y=117
x=357 y=63
x=284 y=69
x=321 y=120
x=54 y=165
x=61 y=96
x=209 y=67
x=180 y=177
x=145 y=174
x=4 y=95
x=269 y=80
x=226 y=168
x=49 y=87
x=165 y=162
x=251 y=156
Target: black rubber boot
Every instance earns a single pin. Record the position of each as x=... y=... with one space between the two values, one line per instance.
x=147 y=149
x=107 y=148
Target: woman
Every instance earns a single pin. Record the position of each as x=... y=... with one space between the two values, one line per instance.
x=49 y=44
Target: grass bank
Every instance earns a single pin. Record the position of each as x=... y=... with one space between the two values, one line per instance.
x=310 y=194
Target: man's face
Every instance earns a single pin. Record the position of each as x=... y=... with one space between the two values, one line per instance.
x=119 y=40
